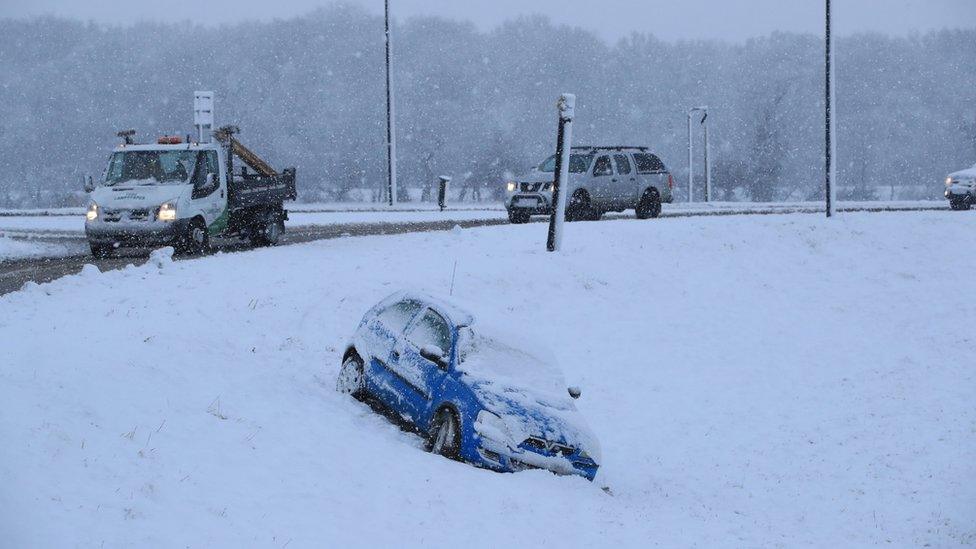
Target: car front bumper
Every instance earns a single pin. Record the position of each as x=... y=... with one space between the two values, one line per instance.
x=498 y=456
x=136 y=234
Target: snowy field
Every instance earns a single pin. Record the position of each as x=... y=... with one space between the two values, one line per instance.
x=772 y=381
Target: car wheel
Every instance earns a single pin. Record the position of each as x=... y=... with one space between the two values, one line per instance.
x=352 y=378
x=196 y=240
x=649 y=205
x=102 y=251
x=518 y=216
x=444 y=437
x=579 y=206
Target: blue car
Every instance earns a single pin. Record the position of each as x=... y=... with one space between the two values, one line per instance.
x=474 y=397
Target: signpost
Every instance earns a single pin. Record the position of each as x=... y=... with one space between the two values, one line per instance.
x=564 y=138
x=830 y=152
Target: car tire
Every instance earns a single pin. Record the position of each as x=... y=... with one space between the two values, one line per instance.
x=518 y=216
x=352 y=377
x=268 y=233
x=649 y=205
x=959 y=205
x=444 y=435
x=196 y=239
x=102 y=251
x=579 y=207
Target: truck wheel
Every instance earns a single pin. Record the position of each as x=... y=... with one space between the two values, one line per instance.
x=649 y=205
x=518 y=216
x=579 y=206
x=102 y=251
x=268 y=234
x=196 y=240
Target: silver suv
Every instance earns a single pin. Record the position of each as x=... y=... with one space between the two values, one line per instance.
x=601 y=179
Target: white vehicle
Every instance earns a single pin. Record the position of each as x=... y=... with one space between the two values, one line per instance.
x=961 y=189
x=181 y=193
x=601 y=179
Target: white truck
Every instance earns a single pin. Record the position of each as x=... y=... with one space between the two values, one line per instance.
x=181 y=193
x=961 y=189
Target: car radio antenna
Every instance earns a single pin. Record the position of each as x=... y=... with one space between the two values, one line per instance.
x=453 y=272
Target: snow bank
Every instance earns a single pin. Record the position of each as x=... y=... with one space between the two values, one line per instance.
x=11 y=248
x=753 y=381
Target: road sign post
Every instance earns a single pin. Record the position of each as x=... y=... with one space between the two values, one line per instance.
x=564 y=138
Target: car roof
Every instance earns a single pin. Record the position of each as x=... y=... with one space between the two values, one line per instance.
x=627 y=148
x=454 y=314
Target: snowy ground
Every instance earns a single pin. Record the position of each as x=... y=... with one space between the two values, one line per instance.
x=68 y=221
x=19 y=248
x=755 y=381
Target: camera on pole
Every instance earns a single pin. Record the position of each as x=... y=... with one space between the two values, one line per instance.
x=564 y=137
x=442 y=191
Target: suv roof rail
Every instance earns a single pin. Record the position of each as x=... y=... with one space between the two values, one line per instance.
x=610 y=148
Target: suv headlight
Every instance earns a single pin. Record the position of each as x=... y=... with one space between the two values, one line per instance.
x=167 y=212
x=491 y=425
x=92 y=213
x=948 y=181
x=510 y=186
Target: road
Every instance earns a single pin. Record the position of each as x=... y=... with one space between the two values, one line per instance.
x=15 y=273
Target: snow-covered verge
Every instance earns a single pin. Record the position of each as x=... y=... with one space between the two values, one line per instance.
x=17 y=248
x=754 y=381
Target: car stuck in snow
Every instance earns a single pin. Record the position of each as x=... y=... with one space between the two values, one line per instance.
x=472 y=395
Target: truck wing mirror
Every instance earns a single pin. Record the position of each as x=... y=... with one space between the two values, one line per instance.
x=87 y=184
x=210 y=179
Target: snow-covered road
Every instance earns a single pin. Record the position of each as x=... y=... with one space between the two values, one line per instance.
x=755 y=381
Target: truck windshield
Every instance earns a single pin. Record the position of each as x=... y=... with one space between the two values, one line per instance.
x=578 y=163
x=151 y=167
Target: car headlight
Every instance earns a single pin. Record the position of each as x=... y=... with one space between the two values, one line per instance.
x=510 y=186
x=491 y=425
x=948 y=181
x=92 y=213
x=547 y=187
x=167 y=212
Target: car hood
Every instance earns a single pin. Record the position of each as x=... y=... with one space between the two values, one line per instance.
x=129 y=197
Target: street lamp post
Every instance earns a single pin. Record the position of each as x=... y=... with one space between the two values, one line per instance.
x=830 y=150
x=391 y=182
x=691 y=157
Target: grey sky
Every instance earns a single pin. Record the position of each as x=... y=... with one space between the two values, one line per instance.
x=611 y=19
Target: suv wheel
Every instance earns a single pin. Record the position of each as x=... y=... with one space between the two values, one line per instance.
x=649 y=205
x=579 y=206
x=518 y=216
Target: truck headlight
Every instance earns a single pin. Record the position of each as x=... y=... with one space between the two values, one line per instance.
x=92 y=213
x=167 y=212
x=510 y=186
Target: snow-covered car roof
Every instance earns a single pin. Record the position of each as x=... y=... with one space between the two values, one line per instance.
x=968 y=172
x=455 y=314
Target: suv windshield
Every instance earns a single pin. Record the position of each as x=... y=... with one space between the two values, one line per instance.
x=151 y=167
x=578 y=163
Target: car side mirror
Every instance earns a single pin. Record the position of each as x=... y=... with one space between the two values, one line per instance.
x=434 y=354
x=87 y=183
x=210 y=179
x=574 y=392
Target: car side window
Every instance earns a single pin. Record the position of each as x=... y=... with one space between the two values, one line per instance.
x=648 y=163
x=623 y=163
x=397 y=316
x=431 y=329
x=602 y=166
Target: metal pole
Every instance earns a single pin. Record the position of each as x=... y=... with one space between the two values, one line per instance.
x=830 y=151
x=564 y=139
x=708 y=165
x=391 y=182
x=691 y=168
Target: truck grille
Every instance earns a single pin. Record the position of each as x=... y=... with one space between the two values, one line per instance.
x=112 y=216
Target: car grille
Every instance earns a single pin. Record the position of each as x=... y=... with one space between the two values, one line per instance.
x=531 y=187
x=113 y=216
x=547 y=447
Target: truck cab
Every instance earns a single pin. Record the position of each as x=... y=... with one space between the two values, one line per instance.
x=601 y=179
x=181 y=194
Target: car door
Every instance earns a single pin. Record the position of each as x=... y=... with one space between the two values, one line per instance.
x=382 y=334
x=601 y=182
x=208 y=194
x=624 y=183
x=419 y=378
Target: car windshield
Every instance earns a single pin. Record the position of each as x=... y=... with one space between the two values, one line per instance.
x=578 y=163
x=173 y=167
x=493 y=358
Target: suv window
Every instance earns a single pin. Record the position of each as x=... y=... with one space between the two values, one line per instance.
x=602 y=166
x=648 y=163
x=431 y=329
x=396 y=316
x=623 y=163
